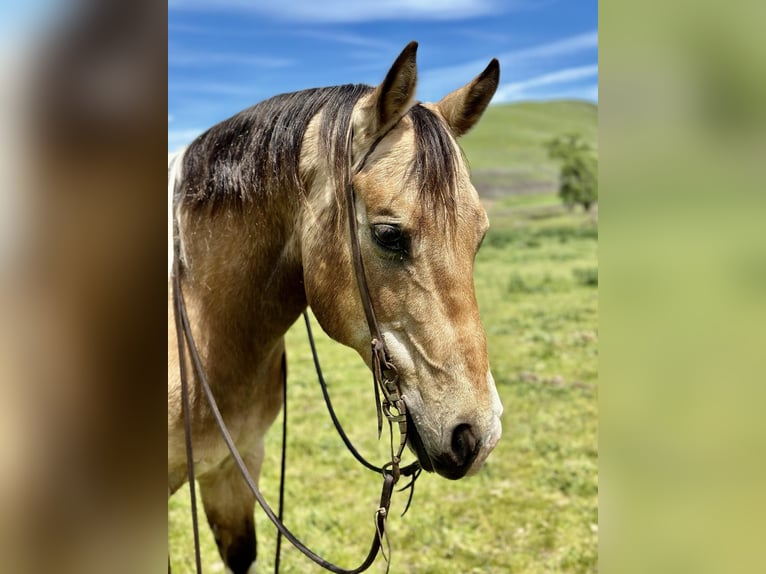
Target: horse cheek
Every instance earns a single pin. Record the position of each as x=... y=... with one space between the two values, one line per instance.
x=334 y=304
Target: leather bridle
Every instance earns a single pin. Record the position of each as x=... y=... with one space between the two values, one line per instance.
x=385 y=382
x=384 y=373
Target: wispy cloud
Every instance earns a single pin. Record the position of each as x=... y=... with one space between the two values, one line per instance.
x=214 y=88
x=569 y=45
x=197 y=59
x=369 y=50
x=348 y=39
x=516 y=90
x=531 y=60
x=356 y=11
x=188 y=28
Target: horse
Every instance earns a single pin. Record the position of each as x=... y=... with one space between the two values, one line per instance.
x=261 y=232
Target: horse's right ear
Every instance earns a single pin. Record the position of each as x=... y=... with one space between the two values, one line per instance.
x=396 y=95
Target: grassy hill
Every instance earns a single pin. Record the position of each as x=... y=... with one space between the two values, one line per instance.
x=506 y=150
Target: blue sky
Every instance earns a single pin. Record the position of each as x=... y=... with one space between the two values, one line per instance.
x=226 y=55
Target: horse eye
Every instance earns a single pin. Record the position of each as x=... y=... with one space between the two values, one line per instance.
x=389 y=237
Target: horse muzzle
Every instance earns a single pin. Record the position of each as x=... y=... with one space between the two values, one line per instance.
x=456 y=458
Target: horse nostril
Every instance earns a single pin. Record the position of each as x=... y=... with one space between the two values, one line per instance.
x=464 y=445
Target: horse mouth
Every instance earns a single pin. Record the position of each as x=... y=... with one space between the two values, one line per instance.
x=443 y=465
x=416 y=444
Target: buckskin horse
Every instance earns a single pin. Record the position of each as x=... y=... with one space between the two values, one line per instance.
x=261 y=232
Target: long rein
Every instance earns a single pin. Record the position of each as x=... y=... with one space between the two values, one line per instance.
x=385 y=381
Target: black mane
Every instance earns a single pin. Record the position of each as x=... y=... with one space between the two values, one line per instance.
x=257 y=151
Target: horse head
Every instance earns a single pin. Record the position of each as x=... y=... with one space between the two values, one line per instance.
x=420 y=224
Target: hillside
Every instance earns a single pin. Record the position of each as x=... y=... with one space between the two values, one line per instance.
x=506 y=150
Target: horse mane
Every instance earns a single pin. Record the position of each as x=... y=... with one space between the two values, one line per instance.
x=256 y=152
x=436 y=163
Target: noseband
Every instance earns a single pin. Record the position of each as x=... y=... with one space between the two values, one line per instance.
x=385 y=381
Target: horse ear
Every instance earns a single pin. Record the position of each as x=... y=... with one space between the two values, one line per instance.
x=396 y=94
x=463 y=107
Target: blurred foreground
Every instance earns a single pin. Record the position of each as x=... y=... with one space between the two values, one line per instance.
x=683 y=286
x=81 y=273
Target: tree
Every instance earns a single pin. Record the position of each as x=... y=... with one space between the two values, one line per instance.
x=578 y=178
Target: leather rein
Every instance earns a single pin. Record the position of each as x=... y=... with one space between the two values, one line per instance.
x=385 y=381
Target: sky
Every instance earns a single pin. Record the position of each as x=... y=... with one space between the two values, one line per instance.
x=226 y=55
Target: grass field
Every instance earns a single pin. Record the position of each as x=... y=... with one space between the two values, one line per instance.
x=533 y=508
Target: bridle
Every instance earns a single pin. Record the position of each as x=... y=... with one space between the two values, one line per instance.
x=384 y=373
x=385 y=381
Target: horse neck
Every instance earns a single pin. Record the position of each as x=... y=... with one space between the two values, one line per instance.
x=243 y=274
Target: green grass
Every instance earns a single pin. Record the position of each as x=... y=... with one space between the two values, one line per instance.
x=533 y=508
